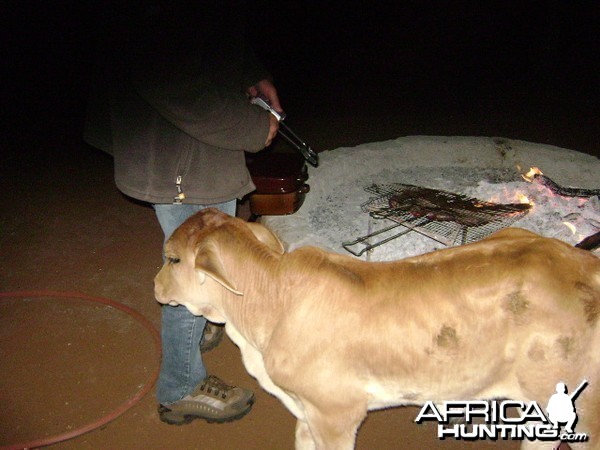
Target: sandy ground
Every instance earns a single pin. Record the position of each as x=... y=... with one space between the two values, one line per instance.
x=65 y=227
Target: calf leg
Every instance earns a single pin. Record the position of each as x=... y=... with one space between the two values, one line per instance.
x=304 y=438
x=334 y=428
x=588 y=411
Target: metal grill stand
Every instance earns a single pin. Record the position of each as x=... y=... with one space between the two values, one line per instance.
x=446 y=217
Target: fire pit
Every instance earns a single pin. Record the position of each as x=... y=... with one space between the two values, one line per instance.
x=483 y=171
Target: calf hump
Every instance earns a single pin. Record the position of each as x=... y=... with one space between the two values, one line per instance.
x=266 y=236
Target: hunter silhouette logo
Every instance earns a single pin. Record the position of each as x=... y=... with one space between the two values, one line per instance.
x=561 y=407
x=507 y=419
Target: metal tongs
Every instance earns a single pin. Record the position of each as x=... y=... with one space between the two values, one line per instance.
x=308 y=153
x=361 y=245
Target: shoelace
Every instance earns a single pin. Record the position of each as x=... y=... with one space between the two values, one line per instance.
x=215 y=386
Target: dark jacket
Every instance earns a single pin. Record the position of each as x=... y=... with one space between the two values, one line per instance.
x=178 y=113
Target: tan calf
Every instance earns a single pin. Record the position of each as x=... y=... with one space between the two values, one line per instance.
x=334 y=337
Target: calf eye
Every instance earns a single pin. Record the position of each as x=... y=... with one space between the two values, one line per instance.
x=173 y=260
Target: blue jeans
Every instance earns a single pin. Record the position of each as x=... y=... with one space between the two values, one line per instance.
x=181 y=368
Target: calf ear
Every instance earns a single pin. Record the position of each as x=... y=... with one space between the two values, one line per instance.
x=208 y=262
x=266 y=236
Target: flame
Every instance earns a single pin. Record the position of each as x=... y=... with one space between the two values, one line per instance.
x=524 y=199
x=533 y=172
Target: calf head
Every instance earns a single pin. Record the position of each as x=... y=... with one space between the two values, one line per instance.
x=194 y=274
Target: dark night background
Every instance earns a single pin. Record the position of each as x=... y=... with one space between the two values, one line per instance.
x=370 y=71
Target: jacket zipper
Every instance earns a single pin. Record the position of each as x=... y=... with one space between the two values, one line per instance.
x=186 y=158
x=178 y=199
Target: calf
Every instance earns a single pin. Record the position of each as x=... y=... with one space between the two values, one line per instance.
x=333 y=337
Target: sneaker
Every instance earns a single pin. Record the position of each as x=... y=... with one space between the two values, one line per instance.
x=213 y=401
x=213 y=335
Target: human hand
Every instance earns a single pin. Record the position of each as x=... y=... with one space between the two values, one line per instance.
x=273 y=129
x=266 y=89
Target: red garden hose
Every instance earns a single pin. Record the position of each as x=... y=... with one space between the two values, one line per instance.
x=121 y=408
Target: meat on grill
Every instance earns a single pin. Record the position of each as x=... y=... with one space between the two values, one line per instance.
x=434 y=205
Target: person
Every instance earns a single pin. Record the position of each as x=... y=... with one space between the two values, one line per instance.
x=561 y=409
x=178 y=78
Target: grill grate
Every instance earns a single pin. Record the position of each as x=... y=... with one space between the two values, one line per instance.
x=446 y=217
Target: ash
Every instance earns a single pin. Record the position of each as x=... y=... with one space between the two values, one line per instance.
x=566 y=218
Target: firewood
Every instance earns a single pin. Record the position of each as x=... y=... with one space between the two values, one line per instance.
x=590 y=243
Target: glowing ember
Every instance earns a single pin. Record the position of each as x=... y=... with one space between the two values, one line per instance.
x=533 y=172
x=536 y=174
x=524 y=199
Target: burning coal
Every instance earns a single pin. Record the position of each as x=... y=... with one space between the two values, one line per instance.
x=536 y=175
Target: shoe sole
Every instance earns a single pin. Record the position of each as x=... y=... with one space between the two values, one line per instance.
x=173 y=418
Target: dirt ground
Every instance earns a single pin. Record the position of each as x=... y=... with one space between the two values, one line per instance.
x=65 y=227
